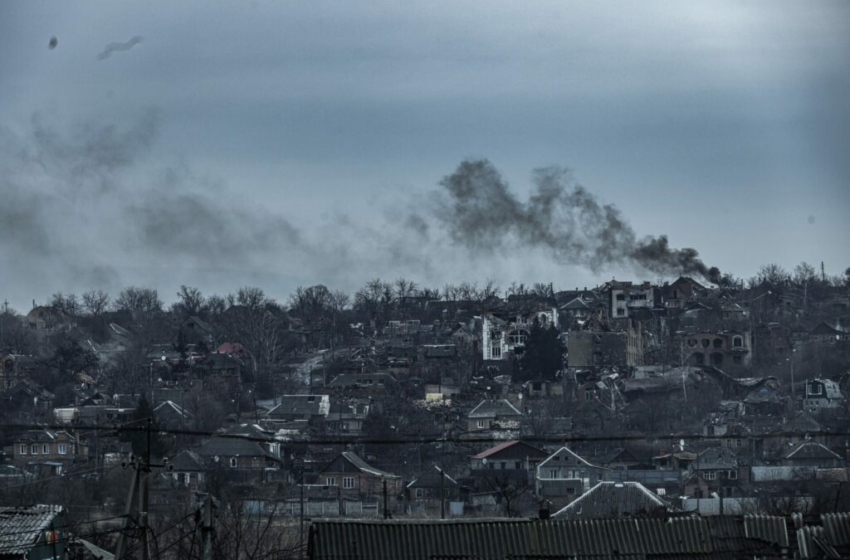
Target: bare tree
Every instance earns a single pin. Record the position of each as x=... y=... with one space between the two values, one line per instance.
x=67 y=303
x=190 y=301
x=95 y=302
x=142 y=300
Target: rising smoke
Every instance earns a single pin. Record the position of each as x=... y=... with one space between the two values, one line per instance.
x=119 y=47
x=479 y=211
x=93 y=206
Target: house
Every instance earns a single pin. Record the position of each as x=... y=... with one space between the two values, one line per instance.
x=727 y=350
x=356 y=478
x=681 y=292
x=348 y=418
x=493 y=414
x=595 y=344
x=197 y=330
x=503 y=334
x=39 y=446
x=15 y=368
x=291 y=408
x=812 y=454
x=172 y=415
x=624 y=297
x=566 y=474
x=28 y=396
x=518 y=458
x=372 y=382
x=822 y=394
x=608 y=500
x=431 y=485
x=45 y=319
x=32 y=532
x=240 y=457
x=188 y=469
x=717 y=469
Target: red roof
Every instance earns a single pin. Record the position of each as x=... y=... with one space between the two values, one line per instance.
x=230 y=348
x=492 y=450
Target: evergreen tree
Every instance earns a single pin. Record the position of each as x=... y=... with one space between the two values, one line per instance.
x=138 y=435
x=544 y=354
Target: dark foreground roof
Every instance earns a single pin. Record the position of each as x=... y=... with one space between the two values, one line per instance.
x=502 y=539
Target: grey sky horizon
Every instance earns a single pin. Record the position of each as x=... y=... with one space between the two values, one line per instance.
x=279 y=143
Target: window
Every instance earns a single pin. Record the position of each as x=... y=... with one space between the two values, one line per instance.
x=348 y=482
x=571 y=491
x=692 y=342
x=330 y=481
x=621 y=297
x=705 y=342
x=621 y=312
x=496 y=351
x=63 y=448
x=186 y=479
x=739 y=443
x=661 y=492
x=553 y=473
x=710 y=475
x=34 y=449
x=518 y=465
x=45 y=449
x=420 y=493
x=738 y=342
x=733 y=475
x=482 y=424
x=234 y=462
x=718 y=343
x=23 y=450
x=255 y=462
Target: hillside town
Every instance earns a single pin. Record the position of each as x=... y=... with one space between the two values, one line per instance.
x=651 y=400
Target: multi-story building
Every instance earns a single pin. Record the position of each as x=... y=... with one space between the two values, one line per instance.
x=729 y=351
x=41 y=446
x=504 y=336
x=625 y=296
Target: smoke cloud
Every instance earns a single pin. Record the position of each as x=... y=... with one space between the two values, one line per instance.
x=119 y=47
x=94 y=206
x=479 y=211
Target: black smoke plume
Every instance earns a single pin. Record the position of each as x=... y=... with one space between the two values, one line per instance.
x=480 y=211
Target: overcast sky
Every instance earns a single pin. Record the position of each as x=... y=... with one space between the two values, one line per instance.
x=281 y=143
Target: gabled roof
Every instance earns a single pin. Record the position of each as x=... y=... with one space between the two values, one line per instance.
x=567 y=451
x=363 y=466
x=506 y=445
x=613 y=499
x=233 y=447
x=301 y=405
x=494 y=409
x=188 y=460
x=431 y=479
x=169 y=407
x=812 y=450
x=22 y=527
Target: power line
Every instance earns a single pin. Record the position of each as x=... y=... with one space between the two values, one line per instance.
x=411 y=439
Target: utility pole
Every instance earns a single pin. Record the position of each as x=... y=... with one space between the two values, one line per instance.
x=144 y=499
x=384 y=491
x=301 y=499
x=442 y=493
x=207 y=528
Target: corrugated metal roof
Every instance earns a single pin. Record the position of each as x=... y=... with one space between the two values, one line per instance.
x=21 y=528
x=517 y=539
